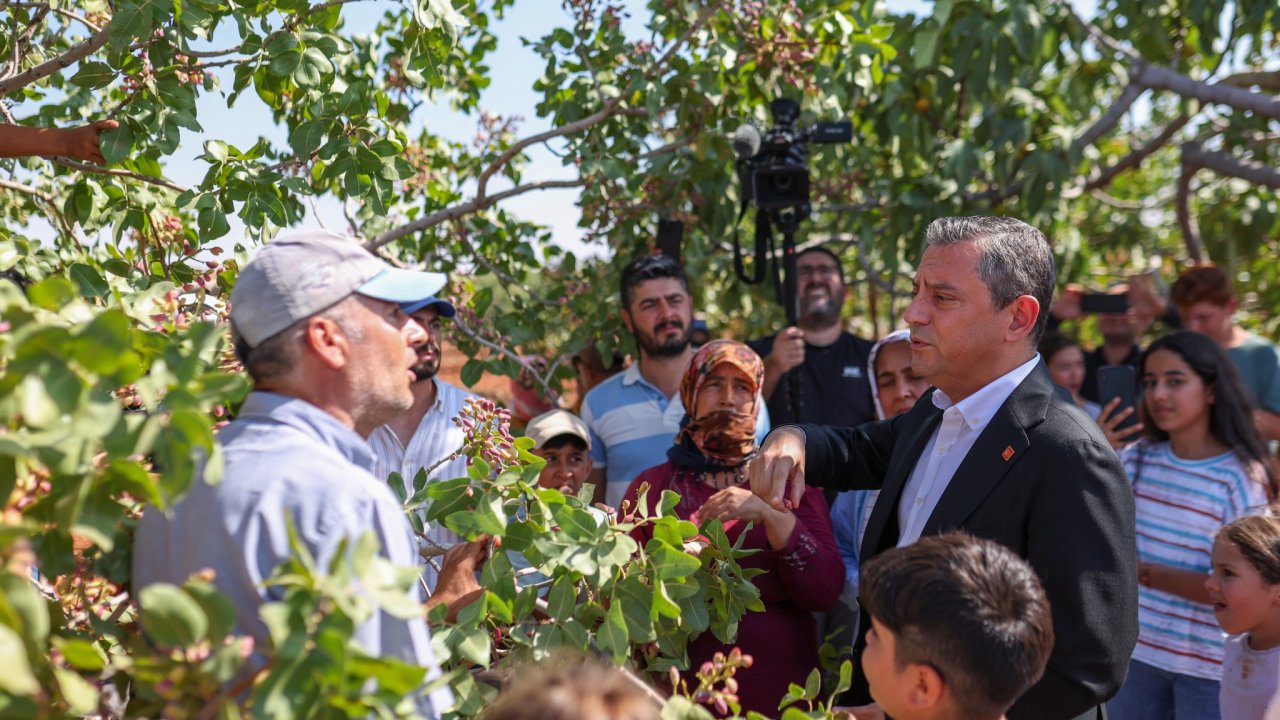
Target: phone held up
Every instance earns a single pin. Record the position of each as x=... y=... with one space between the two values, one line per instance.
x=1119 y=381
x=1093 y=303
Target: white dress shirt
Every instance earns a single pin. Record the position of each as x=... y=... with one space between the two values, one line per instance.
x=961 y=425
x=435 y=438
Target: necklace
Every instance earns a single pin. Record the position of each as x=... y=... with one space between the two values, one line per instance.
x=722 y=479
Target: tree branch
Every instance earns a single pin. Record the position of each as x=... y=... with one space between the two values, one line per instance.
x=508 y=282
x=1186 y=220
x=670 y=52
x=1111 y=117
x=1195 y=156
x=470 y=332
x=49 y=67
x=663 y=149
x=26 y=189
x=1264 y=80
x=1115 y=202
x=79 y=18
x=1104 y=177
x=516 y=148
x=99 y=170
x=474 y=205
x=1156 y=77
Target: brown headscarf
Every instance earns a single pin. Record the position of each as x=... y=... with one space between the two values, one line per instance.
x=722 y=438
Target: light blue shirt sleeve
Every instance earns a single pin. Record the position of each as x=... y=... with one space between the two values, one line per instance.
x=597 y=453
x=763 y=423
x=845 y=513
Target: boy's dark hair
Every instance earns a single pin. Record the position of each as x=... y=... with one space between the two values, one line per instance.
x=969 y=608
x=563 y=439
x=649 y=267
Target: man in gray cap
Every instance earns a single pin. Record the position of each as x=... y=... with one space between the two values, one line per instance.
x=317 y=322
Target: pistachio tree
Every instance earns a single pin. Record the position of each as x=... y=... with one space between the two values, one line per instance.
x=1141 y=135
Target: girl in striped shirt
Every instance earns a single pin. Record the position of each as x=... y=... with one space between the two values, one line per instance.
x=1200 y=465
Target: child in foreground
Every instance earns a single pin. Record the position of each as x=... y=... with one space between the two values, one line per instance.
x=1244 y=587
x=960 y=628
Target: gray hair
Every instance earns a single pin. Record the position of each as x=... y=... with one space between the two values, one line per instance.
x=278 y=354
x=1014 y=259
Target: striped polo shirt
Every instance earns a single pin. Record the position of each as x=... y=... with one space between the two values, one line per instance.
x=1180 y=506
x=436 y=437
x=632 y=424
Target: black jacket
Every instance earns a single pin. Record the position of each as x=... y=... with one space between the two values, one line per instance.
x=1061 y=500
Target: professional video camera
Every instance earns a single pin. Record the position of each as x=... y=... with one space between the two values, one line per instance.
x=773 y=169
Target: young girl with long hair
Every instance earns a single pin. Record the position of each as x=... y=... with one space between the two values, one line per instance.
x=1245 y=590
x=1200 y=465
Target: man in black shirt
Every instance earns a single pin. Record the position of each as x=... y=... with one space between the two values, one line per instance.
x=1121 y=333
x=832 y=363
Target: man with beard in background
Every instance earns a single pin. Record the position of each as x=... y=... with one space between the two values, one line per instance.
x=425 y=434
x=631 y=416
x=831 y=362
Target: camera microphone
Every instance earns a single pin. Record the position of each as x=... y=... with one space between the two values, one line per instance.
x=746 y=141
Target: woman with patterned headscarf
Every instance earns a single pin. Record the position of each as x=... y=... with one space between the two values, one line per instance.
x=803 y=572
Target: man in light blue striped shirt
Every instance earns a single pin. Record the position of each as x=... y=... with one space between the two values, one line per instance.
x=634 y=415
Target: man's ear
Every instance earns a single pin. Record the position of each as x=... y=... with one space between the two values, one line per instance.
x=626 y=320
x=926 y=689
x=1022 y=321
x=326 y=340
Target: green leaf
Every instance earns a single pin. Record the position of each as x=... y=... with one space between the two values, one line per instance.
x=81 y=697
x=812 y=685
x=472 y=370
x=307 y=137
x=80 y=653
x=671 y=563
x=93 y=75
x=116 y=144
x=215 y=150
x=576 y=522
x=171 y=617
x=482 y=300
x=54 y=293
x=90 y=281
x=561 y=599
x=17 y=678
x=613 y=633
x=662 y=602
x=679 y=707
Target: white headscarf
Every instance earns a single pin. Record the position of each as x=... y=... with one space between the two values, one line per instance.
x=893 y=337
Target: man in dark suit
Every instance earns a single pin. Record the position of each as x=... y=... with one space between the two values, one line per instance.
x=992 y=451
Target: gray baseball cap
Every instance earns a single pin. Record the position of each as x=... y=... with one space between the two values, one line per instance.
x=302 y=273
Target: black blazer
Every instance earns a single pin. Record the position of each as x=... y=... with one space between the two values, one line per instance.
x=1060 y=499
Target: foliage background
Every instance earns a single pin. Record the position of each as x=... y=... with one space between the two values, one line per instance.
x=1139 y=139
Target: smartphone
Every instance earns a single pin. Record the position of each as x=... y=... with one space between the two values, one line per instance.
x=1104 y=303
x=1119 y=381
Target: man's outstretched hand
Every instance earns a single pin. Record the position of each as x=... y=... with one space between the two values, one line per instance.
x=457 y=587
x=85 y=142
x=779 y=462
x=81 y=143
